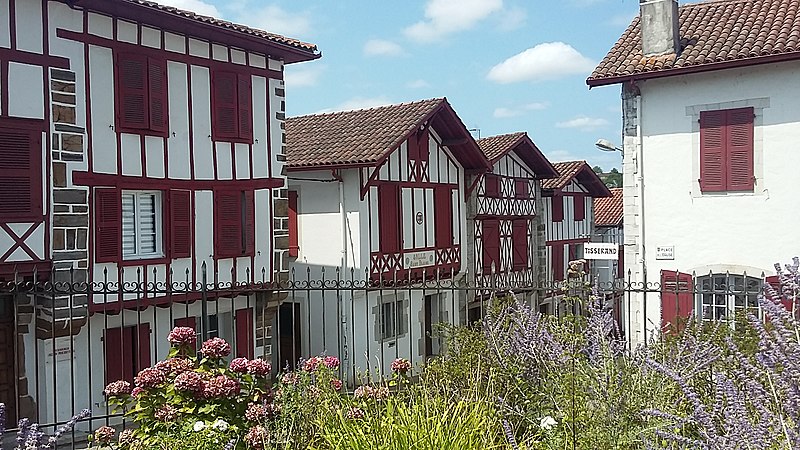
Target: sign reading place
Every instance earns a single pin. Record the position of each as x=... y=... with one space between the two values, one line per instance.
x=600 y=250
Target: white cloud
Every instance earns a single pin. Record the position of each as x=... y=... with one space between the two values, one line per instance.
x=359 y=103
x=275 y=19
x=298 y=75
x=507 y=112
x=418 y=84
x=583 y=123
x=198 y=6
x=380 y=47
x=623 y=20
x=547 y=61
x=561 y=155
x=443 y=17
x=513 y=19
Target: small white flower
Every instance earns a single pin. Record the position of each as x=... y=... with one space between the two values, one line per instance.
x=547 y=423
x=220 y=425
x=199 y=425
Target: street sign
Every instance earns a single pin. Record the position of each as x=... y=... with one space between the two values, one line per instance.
x=665 y=252
x=600 y=250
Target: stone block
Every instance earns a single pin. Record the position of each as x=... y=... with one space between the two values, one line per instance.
x=71 y=239
x=70 y=220
x=281 y=208
x=72 y=143
x=282 y=243
x=60 y=86
x=80 y=209
x=280 y=92
x=70 y=196
x=64 y=98
x=60 y=209
x=62 y=75
x=70 y=256
x=64 y=114
x=72 y=157
x=59 y=174
x=82 y=237
x=59 y=239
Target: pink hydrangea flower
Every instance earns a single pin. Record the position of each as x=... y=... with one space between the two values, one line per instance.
x=336 y=384
x=150 y=378
x=136 y=391
x=331 y=362
x=216 y=348
x=104 y=434
x=189 y=382
x=255 y=413
x=259 y=367
x=166 y=413
x=311 y=364
x=239 y=365
x=290 y=378
x=117 y=389
x=126 y=437
x=175 y=366
x=401 y=365
x=180 y=336
x=354 y=413
x=257 y=437
x=221 y=386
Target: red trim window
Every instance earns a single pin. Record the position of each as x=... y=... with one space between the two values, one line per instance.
x=579 y=204
x=491 y=246
x=294 y=247
x=234 y=223
x=21 y=166
x=232 y=107
x=141 y=96
x=521 y=188
x=492 y=185
x=389 y=218
x=443 y=214
x=127 y=351
x=557 y=204
x=726 y=150
x=244 y=333
x=180 y=217
x=519 y=238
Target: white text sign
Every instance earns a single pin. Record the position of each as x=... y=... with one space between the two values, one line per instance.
x=599 y=250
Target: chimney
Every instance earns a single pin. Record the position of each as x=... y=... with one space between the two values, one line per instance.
x=659 y=23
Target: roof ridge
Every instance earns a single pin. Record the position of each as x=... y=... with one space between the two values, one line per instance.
x=372 y=108
x=513 y=133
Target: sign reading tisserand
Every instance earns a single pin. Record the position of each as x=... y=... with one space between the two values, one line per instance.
x=599 y=250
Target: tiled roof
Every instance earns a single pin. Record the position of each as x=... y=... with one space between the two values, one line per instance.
x=608 y=210
x=585 y=175
x=365 y=136
x=495 y=147
x=714 y=34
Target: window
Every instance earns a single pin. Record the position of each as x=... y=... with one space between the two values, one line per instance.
x=388 y=218
x=557 y=261
x=20 y=164
x=391 y=319
x=490 y=239
x=521 y=188
x=141 y=225
x=141 y=94
x=127 y=351
x=244 y=333
x=443 y=214
x=557 y=203
x=492 y=185
x=726 y=150
x=232 y=104
x=723 y=296
x=520 y=242
x=579 y=204
x=234 y=223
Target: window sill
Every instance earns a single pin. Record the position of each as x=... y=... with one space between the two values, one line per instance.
x=233 y=140
x=142 y=131
x=144 y=260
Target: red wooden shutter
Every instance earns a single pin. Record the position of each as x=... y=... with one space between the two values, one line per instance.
x=712 y=151
x=244 y=333
x=294 y=247
x=413 y=147
x=114 y=355
x=491 y=245
x=579 y=204
x=389 y=217
x=557 y=202
x=190 y=322
x=573 y=252
x=132 y=107
x=520 y=243
x=557 y=261
x=225 y=106
x=157 y=90
x=423 y=147
x=20 y=164
x=250 y=223
x=142 y=346
x=228 y=223
x=180 y=221
x=521 y=188
x=492 y=183
x=621 y=262
x=787 y=302
x=739 y=158
x=108 y=225
x=443 y=215
x=245 y=106
x=677 y=300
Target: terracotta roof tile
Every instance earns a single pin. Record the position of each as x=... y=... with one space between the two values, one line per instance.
x=585 y=175
x=608 y=210
x=711 y=32
x=496 y=146
x=225 y=24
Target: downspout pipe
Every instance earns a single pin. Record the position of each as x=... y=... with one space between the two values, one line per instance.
x=343 y=216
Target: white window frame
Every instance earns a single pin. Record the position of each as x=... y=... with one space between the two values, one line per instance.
x=722 y=298
x=159 y=225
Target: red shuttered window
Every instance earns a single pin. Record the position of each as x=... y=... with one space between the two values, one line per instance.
x=557 y=203
x=141 y=94
x=521 y=188
x=726 y=150
x=294 y=247
x=234 y=223
x=677 y=300
x=232 y=105
x=492 y=185
x=443 y=215
x=107 y=224
x=389 y=222
x=244 y=333
x=127 y=351
x=21 y=168
x=491 y=246
x=579 y=204
x=520 y=242
x=557 y=261
x=180 y=217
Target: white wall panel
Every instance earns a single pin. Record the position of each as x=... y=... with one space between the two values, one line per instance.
x=257 y=60
x=238 y=56
x=274 y=126
x=127 y=32
x=372 y=201
x=201 y=122
x=101 y=25
x=430 y=219
x=101 y=83
x=242 y=154
x=29 y=25
x=154 y=156
x=151 y=37
x=178 y=141
x=219 y=52
x=260 y=138
x=406 y=196
x=204 y=230
x=25 y=91
x=198 y=48
x=131 y=149
x=224 y=158
x=419 y=208
x=263 y=258
x=174 y=42
x=5 y=23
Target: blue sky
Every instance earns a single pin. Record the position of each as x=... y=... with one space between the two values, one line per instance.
x=504 y=65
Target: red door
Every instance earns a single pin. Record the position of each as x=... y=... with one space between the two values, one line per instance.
x=8 y=394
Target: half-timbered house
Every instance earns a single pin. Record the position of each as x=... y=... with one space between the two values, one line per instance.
x=139 y=144
x=379 y=194
x=503 y=210
x=568 y=216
